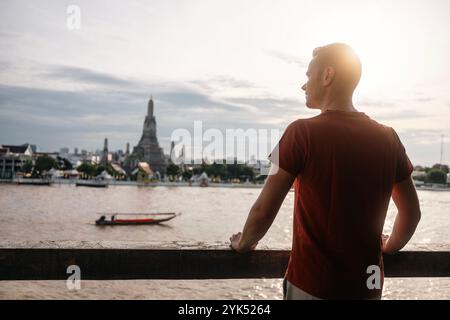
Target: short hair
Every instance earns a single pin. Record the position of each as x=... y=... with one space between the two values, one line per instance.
x=343 y=59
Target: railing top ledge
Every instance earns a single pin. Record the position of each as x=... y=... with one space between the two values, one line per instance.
x=170 y=245
x=102 y=261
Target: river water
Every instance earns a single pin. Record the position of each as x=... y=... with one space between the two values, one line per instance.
x=64 y=215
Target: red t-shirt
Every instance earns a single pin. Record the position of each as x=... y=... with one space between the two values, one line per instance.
x=345 y=166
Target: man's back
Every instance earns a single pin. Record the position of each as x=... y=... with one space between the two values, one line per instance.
x=346 y=165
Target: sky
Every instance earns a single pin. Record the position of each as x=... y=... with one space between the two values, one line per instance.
x=231 y=64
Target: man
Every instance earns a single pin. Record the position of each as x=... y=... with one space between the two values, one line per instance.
x=345 y=167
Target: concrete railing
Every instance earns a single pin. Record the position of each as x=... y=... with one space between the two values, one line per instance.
x=122 y=264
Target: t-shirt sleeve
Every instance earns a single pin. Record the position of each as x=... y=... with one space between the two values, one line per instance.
x=290 y=152
x=404 y=167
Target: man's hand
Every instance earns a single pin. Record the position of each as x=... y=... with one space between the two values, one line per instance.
x=235 y=240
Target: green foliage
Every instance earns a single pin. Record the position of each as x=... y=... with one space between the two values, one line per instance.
x=226 y=172
x=44 y=164
x=64 y=164
x=172 y=170
x=93 y=170
x=421 y=178
x=442 y=167
x=100 y=168
x=436 y=176
x=437 y=166
x=27 y=166
x=187 y=175
x=87 y=168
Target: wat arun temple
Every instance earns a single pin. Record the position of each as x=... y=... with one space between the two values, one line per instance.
x=148 y=149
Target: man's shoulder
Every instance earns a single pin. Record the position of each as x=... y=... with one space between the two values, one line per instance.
x=388 y=130
x=302 y=123
x=318 y=121
x=379 y=124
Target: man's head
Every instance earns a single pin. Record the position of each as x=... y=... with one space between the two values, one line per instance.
x=334 y=71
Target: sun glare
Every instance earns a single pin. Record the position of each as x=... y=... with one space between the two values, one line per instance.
x=372 y=38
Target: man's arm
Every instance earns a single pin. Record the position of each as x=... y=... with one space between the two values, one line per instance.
x=264 y=211
x=405 y=198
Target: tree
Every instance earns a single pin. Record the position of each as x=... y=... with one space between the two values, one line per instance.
x=187 y=175
x=172 y=170
x=248 y=172
x=217 y=170
x=445 y=168
x=44 y=163
x=232 y=170
x=442 y=167
x=87 y=168
x=99 y=169
x=27 y=166
x=436 y=176
x=64 y=164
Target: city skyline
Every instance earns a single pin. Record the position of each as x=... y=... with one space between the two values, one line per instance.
x=229 y=64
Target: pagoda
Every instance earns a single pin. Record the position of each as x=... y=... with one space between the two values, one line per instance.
x=148 y=149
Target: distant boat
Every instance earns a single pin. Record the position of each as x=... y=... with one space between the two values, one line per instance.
x=135 y=218
x=92 y=183
x=35 y=182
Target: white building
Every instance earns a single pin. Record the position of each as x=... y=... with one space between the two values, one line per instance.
x=12 y=158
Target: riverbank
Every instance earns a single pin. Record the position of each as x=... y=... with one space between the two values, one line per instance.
x=46 y=182
x=433 y=187
x=132 y=183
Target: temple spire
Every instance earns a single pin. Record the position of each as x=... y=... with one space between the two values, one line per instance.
x=104 y=159
x=148 y=149
x=150 y=107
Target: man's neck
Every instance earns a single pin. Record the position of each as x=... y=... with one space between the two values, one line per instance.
x=338 y=104
x=345 y=108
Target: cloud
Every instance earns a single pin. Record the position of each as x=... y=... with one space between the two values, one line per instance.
x=425 y=136
x=423 y=145
x=54 y=118
x=223 y=82
x=424 y=99
x=290 y=59
x=266 y=103
x=8 y=35
x=5 y=65
x=400 y=115
x=373 y=103
x=398 y=109
x=86 y=76
x=116 y=108
x=60 y=103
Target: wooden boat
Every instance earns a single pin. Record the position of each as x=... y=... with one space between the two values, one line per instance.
x=91 y=183
x=135 y=219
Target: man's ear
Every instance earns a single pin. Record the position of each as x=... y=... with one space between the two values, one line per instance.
x=328 y=76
